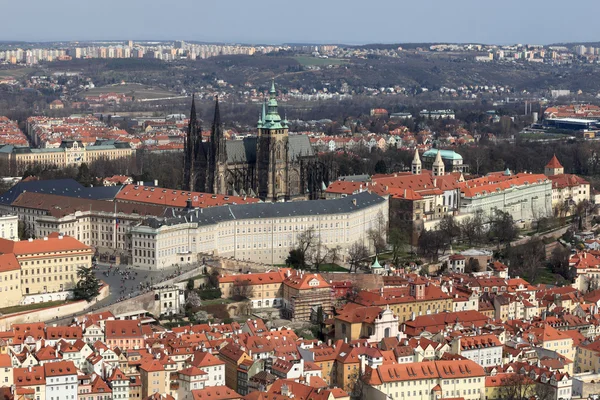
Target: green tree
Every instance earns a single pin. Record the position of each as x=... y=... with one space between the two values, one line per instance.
x=380 y=167
x=398 y=239
x=88 y=286
x=502 y=228
x=84 y=176
x=190 y=284
x=295 y=259
x=449 y=227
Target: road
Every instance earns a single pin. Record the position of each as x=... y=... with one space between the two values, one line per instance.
x=126 y=282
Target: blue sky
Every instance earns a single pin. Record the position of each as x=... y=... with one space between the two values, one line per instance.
x=314 y=21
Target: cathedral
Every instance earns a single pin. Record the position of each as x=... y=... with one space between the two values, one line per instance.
x=273 y=165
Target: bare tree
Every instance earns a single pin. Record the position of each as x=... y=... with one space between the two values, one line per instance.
x=241 y=289
x=516 y=387
x=544 y=391
x=377 y=235
x=357 y=254
x=318 y=255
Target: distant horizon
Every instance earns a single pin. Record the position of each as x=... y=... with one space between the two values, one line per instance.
x=297 y=43
x=310 y=21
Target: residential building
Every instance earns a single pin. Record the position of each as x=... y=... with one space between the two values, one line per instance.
x=434 y=379
x=61 y=380
x=303 y=294
x=124 y=334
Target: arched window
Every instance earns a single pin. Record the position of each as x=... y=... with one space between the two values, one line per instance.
x=387 y=332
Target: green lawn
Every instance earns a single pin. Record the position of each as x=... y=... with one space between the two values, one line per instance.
x=547 y=277
x=315 y=61
x=332 y=268
x=216 y=301
x=30 y=307
x=543 y=136
x=131 y=89
x=15 y=73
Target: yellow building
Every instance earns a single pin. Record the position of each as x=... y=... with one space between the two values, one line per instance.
x=497 y=386
x=419 y=298
x=324 y=356
x=551 y=339
x=153 y=377
x=10 y=283
x=263 y=289
x=69 y=154
x=425 y=380
x=587 y=358
x=233 y=355
x=46 y=265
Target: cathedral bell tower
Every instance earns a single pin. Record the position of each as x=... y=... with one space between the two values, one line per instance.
x=272 y=152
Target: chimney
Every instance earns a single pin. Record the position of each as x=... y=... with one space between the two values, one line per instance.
x=46 y=238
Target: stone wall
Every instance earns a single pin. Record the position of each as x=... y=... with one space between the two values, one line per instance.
x=142 y=302
x=50 y=313
x=359 y=280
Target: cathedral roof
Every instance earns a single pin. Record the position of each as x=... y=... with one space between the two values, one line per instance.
x=244 y=151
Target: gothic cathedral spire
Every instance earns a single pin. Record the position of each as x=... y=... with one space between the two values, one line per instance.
x=189 y=154
x=217 y=167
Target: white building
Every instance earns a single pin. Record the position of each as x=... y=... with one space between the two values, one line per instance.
x=485 y=350
x=61 y=380
x=9 y=227
x=171 y=299
x=525 y=197
x=260 y=232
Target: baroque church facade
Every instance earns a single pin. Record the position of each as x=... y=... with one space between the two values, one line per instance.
x=273 y=165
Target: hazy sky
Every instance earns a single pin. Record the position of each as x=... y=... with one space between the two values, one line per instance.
x=315 y=21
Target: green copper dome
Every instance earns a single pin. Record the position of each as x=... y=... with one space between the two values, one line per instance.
x=271 y=120
x=376 y=264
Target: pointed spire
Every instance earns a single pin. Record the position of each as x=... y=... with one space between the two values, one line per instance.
x=217 y=118
x=438 y=158
x=416 y=158
x=193 y=110
x=264 y=112
x=273 y=91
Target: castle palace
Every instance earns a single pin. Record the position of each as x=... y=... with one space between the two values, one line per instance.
x=273 y=165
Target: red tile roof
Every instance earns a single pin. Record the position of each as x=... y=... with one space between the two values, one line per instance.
x=177 y=198
x=554 y=163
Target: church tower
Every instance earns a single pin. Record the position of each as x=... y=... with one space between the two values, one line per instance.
x=272 y=152
x=554 y=167
x=217 y=160
x=416 y=163
x=438 y=165
x=193 y=171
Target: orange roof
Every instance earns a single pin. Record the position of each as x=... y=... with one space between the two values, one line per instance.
x=152 y=366
x=567 y=180
x=354 y=313
x=177 y=198
x=54 y=243
x=8 y=262
x=554 y=163
x=256 y=279
x=122 y=329
x=215 y=393
x=203 y=359
x=60 y=368
x=304 y=281
x=25 y=377
x=444 y=369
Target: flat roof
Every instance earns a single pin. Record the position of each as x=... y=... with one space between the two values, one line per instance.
x=574 y=120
